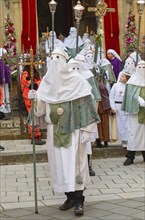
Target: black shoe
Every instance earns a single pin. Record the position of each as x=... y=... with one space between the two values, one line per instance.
x=39 y=142
x=128 y=162
x=91 y=171
x=99 y=145
x=68 y=204
x=105 y=144
x=79 y=209
x=2 y=115
x=1 y=148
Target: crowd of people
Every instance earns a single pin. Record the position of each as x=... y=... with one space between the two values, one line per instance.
x=84 y=99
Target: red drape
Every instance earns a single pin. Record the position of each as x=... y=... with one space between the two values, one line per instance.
x=28 y=37
x=111 y=27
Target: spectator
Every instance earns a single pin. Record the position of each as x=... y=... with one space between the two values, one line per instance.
x=25 y=88
x=115 y=61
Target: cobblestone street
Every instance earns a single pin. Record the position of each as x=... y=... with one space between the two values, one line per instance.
x=116 y=192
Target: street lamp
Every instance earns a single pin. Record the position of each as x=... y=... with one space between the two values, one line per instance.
x=52 y=6
x=78 y=11
x=141 y=4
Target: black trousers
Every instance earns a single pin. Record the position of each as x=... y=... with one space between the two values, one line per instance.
x=131 y=154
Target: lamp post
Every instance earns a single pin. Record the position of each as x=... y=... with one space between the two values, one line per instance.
x=78 y=11
x=140 y=4
x=52 y=6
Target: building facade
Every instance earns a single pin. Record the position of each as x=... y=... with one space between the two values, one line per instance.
x=64 y=18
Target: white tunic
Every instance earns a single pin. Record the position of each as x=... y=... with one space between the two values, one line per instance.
x=61 y=85
x=136 y=134
x=116 y=95
x=67 y=163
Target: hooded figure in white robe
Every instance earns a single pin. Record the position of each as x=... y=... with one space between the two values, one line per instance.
x=85 y=37
x=57 y=44
x=70 y=42
x=65 y=98
x=107 y=74
x=134 y=105
x=133 y=56
x=87 y=47
x=129 y=65
x=78 y=63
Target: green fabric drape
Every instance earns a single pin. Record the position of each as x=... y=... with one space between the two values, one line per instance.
x=77 y=114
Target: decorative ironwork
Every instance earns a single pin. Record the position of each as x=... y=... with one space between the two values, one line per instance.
x=101 y=9
x=17 y=123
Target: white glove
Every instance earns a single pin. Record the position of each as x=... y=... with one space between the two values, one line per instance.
x=141 y=101
x=32 y=94
x=95 y=65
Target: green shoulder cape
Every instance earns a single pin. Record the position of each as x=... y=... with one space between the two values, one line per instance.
x=95 y=90
x=130 y=101
x=76 y=114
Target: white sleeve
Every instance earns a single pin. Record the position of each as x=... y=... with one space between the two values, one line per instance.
x=112 y=97
x=41 y=108
x=141 y=101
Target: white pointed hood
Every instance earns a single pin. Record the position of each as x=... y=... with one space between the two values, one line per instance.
x=138 y=78
x=61 y=85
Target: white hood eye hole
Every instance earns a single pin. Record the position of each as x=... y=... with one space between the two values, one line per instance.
x=51 y=58
x=73 y=68
x=57 y=57
x=78 y=68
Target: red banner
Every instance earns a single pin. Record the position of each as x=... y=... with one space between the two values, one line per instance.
x=28 y=37
x=111 y=27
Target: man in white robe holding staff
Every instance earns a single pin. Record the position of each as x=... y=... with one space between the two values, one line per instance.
x=65 y=98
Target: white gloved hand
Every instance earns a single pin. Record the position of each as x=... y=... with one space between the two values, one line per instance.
x=141 y=101
x=95 y=65
x=32 y=94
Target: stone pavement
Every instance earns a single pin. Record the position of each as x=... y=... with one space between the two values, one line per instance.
x=115 y=193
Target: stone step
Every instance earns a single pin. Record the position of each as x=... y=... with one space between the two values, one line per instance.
x=21 y=151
